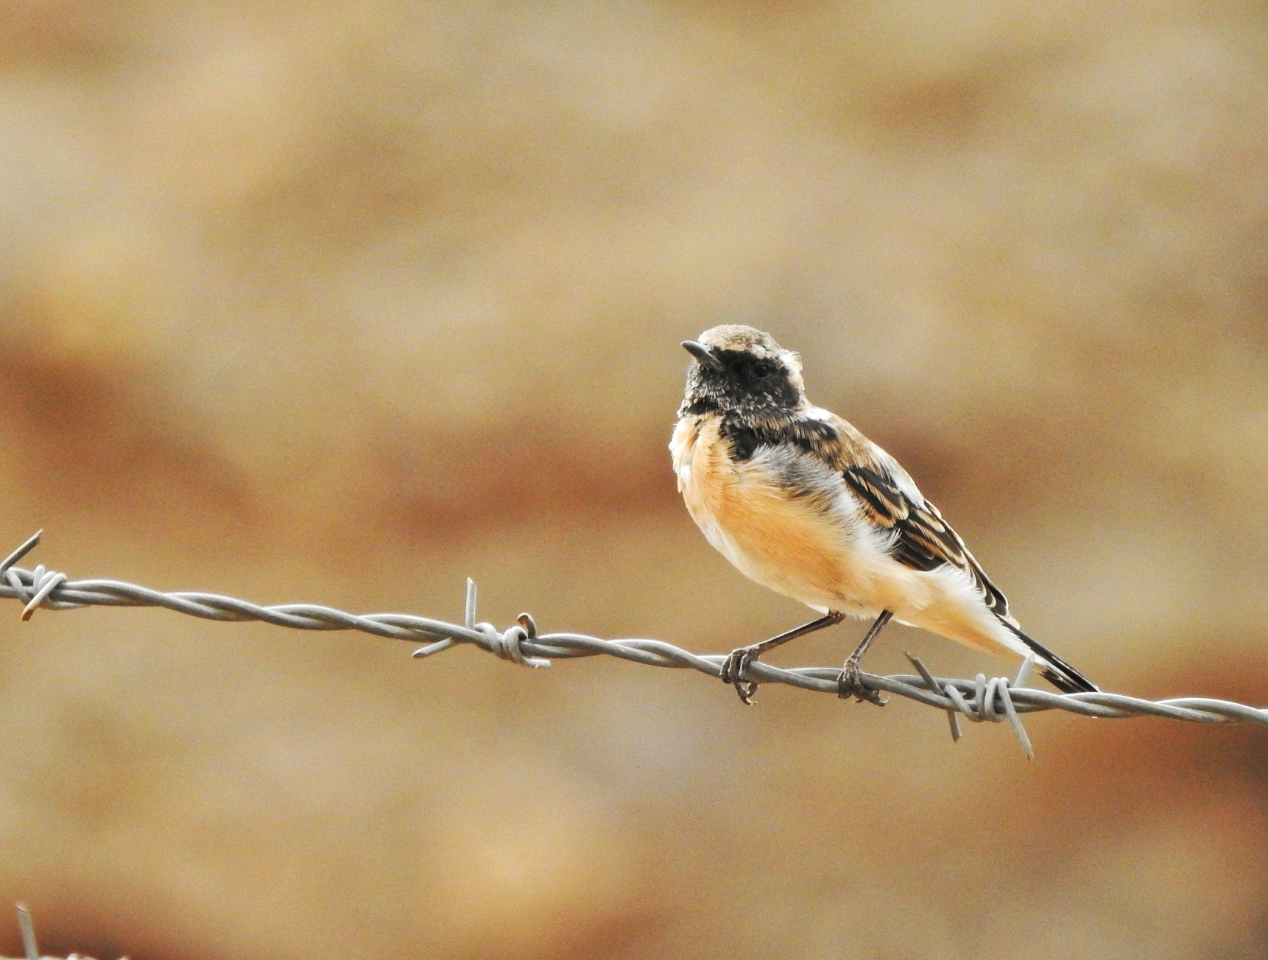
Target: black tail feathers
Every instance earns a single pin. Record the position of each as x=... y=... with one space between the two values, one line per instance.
x=1053 y=669
x=1066 y=679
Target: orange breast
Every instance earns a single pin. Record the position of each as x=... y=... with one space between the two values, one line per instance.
x=785 y=543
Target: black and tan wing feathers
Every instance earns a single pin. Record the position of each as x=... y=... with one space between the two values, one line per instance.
x=921 y=538
x=890 y=499
x=924 y=541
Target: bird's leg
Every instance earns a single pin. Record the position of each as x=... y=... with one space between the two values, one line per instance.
x=849 y=684
x=733 y=666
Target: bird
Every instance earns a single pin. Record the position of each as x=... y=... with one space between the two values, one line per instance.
x=800 y=501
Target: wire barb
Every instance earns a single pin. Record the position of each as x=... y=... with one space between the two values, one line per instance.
x=21 y=551
x=27 y=926
x=43 y=583
x=982 y=707
x=953 y=718
x=28 y=937
x=980 y=700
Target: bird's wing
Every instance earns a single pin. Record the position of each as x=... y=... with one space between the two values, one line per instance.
x=920 y=538
x=891 y=501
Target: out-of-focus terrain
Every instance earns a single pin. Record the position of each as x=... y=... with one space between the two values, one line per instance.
x=344 y=302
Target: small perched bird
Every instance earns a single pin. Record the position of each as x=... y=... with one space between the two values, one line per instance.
x=803 y=503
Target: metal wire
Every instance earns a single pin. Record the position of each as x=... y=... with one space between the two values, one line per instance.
x=28 y=933
x=994 y=700
x=28 y=930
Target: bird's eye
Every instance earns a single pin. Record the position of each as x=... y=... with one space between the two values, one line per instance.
x=762 y=369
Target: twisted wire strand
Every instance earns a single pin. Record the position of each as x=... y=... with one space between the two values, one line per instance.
x=980 y=699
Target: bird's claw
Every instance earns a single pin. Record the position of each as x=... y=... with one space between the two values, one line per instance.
x=733 y=668
x=850 y=685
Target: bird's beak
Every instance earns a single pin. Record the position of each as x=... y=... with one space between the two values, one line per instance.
x=704 y=356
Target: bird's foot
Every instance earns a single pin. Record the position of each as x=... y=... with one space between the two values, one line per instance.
x=850 y=685
x=733 y=668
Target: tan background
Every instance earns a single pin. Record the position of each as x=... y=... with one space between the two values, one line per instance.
x=343 y=302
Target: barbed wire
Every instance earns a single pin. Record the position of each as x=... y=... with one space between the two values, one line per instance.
x=29 y=948
x=982 y=699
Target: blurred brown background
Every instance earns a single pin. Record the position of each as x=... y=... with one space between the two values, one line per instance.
x=343 y=302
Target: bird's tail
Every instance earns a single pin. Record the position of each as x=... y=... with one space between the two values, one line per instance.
x=1053 y=669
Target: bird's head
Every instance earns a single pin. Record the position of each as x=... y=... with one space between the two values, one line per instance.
x=742 y=370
